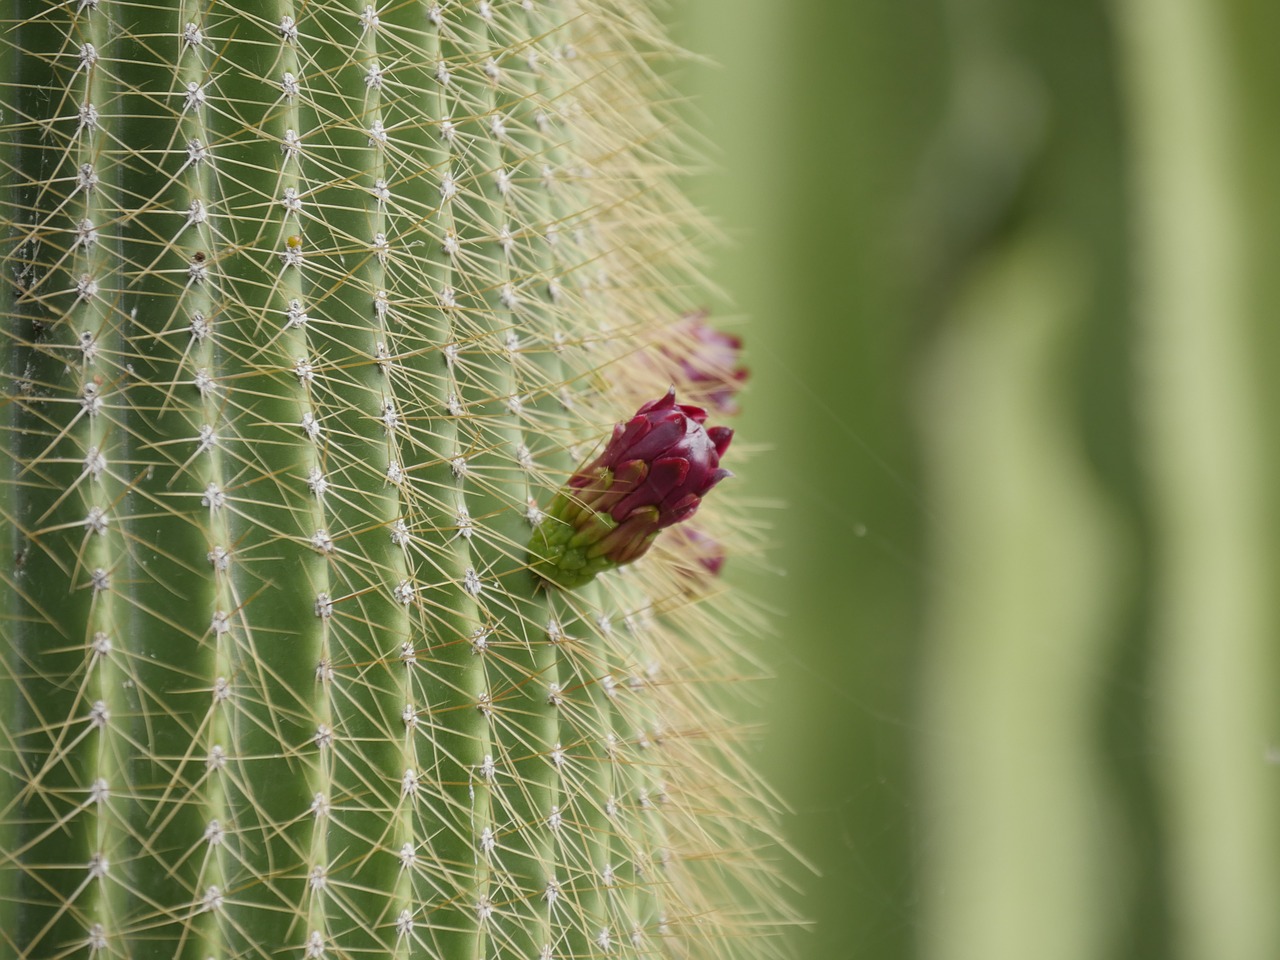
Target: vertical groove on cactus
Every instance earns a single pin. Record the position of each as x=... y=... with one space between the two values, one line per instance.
x=309 y=309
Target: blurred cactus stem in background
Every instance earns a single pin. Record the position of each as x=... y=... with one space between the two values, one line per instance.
x=309 y=310
x=1026 y=256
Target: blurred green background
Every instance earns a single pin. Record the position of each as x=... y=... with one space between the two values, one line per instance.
x=1005 y=270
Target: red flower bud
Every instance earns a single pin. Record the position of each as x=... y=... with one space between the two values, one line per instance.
x=652 y=474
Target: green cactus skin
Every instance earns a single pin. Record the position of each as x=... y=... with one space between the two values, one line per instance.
x=307 y=307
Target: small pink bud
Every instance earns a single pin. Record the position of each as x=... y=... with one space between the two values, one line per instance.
x=709 y=358
x=701 y=549
x=652 y=474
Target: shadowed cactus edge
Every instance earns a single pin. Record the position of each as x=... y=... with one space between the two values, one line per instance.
x=309 y=309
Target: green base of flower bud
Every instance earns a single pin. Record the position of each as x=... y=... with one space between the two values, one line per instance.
x=569 y=546
x=569 y=569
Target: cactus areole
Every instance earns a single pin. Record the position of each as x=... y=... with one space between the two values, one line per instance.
x=302 y=305
x=653 y=474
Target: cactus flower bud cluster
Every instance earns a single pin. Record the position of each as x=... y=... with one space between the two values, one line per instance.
x=652 y=474
x=710 y=362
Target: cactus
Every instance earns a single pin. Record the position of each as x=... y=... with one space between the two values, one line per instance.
x=309 y=309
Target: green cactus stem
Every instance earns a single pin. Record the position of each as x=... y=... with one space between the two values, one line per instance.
x=308 y=311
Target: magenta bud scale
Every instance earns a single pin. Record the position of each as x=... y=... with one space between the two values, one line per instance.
x=652 y=474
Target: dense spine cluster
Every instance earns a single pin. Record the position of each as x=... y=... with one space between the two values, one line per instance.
x=308 y=310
